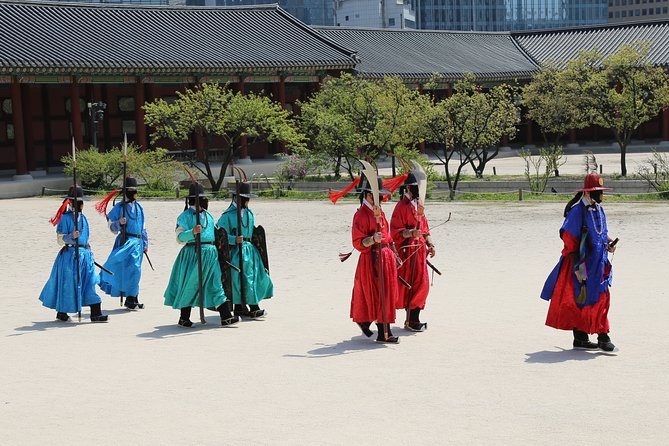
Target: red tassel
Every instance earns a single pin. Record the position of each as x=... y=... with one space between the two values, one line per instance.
x=334 y=196
x=101 y=206
x=345 y=256
x=392 y=184
x=59 y=213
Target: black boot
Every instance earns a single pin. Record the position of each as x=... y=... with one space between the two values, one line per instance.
x=184 y=319
x=604 y=342
x=582 y=341
x=255 y=312
x=226 y=317
x=96 y=314
x=386 y=336
x=241 y=310
x=364 y=326
x=132 y=303
x=414 y=323
x=62 y=316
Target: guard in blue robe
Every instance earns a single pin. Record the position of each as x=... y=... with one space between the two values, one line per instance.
x=257 y=283
x=127 y=220
x=63 y=292
x=183 y=289
x=578 y=286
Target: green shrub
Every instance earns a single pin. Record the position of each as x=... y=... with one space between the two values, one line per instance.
x=103 y=170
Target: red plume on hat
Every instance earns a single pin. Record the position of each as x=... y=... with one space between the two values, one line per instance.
x=591 y=182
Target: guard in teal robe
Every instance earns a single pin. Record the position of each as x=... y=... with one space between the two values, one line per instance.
x=183 y=289
x=257 y=283
x=127 y=220
x=65 y=291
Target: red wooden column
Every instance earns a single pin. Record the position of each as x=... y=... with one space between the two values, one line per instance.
x=530 y=130
x=244 y=152
x=140 y=132
x=29 y=134
x=572 y=136
x=19 y=133
x=665 y=124
x=75 y=111
x=46 y=126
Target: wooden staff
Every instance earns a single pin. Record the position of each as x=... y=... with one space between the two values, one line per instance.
x=77 y=283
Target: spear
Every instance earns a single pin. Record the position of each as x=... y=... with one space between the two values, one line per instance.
x=123 y=191
x=77 y=279
x=371 y=175
x=242 y=290
x=198 y=245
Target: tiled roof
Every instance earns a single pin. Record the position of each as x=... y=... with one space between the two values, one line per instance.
x=416 y=55
x=131 y=39
x=561 y=46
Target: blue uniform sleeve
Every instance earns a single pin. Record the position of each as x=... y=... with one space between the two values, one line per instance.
x=225 y=223
x=574 y=221
x=145 y=238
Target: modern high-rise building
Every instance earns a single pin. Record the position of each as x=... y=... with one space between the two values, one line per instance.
x=621 y=11
x=375 y=13
x=311 y=12
x=482 y=15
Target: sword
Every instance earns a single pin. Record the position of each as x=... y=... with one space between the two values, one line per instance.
x=103 y=268
x=147 y=258
x=434 y=268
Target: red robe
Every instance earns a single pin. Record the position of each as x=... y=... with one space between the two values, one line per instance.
x=405 y=216
x=366 y=303
x=563 y=313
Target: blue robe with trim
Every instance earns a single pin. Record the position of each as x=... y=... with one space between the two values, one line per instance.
x=125 y=260
x=257 y=283
x=598 y=267
x=61 y=292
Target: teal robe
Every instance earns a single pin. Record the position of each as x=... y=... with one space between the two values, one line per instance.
x=182 y=290
x=257 y=283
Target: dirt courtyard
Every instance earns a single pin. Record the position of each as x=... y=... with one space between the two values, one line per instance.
x=487 y=371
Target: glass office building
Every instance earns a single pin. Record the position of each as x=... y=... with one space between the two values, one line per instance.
x=508 y=15
x=311 y=12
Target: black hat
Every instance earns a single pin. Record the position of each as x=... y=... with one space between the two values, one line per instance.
x=366 y=187
x=73 y=193
x=130 y=183
x=244 y=190
x=411 y=180
x=196 y=189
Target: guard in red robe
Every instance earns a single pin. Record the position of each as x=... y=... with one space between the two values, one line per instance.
x=578 y=286
x=411 y=233
x=374 y=294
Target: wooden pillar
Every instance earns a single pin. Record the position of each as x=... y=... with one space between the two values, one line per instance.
x=530 y=132
x=282 y=91
x=572 y=136
x=139 y=115
x=244 y=151
x=19 y=134
x=665 y=124
x=28 y=133
x=75 y=112
x=46 y=124
x=106 y=126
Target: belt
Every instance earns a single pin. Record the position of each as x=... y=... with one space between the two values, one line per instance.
x=127 y=234
x=382 y=245
x=77 y=246
x=201 y=243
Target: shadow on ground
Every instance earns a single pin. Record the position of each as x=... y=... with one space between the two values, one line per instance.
x=354 y=345
x=48 y=325
x=563 y=355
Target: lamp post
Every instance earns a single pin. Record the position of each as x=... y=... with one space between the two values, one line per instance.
x=96 y=111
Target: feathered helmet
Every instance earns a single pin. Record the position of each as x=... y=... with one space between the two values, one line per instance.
x=129 y=182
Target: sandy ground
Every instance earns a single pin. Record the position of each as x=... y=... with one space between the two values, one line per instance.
x=486 y=372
